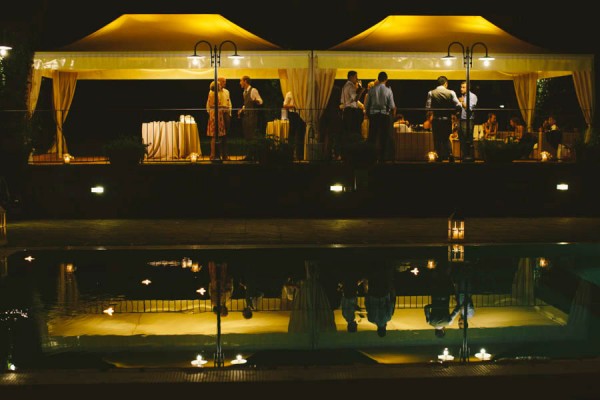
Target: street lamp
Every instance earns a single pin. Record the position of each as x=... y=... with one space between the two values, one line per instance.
x=467 y=53
x=215 y=61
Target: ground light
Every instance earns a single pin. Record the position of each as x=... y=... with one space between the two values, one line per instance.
x=336 y=188
x=199 y=361
x=238 y=360
x=562 y=186
x=483 y=355
x=97 y=189
x=445 y=356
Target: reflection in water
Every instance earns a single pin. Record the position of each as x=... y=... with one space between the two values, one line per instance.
x=276 y=302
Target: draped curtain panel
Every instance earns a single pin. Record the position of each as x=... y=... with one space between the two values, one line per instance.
x=33 y=90
x=526 y=91
x=283 y=82
x=584 y=89
x=63 y=90
x=298 y=84
x=324 y=80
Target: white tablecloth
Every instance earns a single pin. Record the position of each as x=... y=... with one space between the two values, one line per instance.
x=170 y=140
x=280 y=128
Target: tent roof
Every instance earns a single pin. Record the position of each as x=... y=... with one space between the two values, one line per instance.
x=168 y=32
x=427 y=33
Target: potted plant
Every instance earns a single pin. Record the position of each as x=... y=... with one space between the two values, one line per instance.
x=126 y=151
x=271 y=150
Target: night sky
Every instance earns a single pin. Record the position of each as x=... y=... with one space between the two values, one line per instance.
x=311 y=24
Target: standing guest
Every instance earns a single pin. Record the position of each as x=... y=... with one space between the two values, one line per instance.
x=465 y=133
x=210 y=128
x=490 y=127
x=297 y=126
x=552 y=134
x=380 y=105
x=352 y=109
x=223 y=82
x=249 y=110
x=220 y=288
x=444 y=102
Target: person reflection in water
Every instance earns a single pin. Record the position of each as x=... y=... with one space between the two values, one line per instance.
x=252 y=295
x=463 y=288
x=380 y=297
x=349 y=288
x=220 y=288
x=437 y=313
x=311 y=310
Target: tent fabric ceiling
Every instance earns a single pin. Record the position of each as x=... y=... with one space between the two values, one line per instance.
x=426 y=33
x=168 y=32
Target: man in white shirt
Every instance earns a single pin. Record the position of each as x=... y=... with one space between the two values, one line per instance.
x=297 y=126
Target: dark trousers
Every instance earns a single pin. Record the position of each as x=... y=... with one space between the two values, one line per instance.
x=297 y=132
x=465 y=135
x=379 y=128
x=442 y=128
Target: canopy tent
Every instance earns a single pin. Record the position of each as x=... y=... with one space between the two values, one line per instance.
x=411 y=47
x=158 y=46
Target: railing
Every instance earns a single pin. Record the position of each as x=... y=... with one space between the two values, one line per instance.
x=174 y=135
x=282 y=304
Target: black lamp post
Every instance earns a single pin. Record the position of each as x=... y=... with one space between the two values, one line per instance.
x=467 y=53
x=215 y=61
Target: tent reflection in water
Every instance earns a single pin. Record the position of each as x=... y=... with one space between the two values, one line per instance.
x=311 y=310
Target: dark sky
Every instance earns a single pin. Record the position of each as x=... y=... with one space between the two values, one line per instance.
x=311 y=24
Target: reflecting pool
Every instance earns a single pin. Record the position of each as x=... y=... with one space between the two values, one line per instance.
x=274 y=307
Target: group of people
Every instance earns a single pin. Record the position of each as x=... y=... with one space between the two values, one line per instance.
x=448 y=116
x=249 y=115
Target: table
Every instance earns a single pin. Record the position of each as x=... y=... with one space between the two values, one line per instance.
x=280 y=128
x=168 y=140
x=412 y=146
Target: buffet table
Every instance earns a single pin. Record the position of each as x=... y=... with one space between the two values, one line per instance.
x=169 y=140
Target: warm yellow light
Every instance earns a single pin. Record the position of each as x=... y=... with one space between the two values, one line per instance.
x=239 y=360
x=445 y=356
x=543 y=263
x=483 y=355
x=432 y=156
x=194 y=157
x=336 y=187
x=29 y=258
x=431 y=264
x=97 y=189
x=415 y=271
x=545 y=156
x=146 y=282
x=67 y=158
x=4 y=51
x=201 y=291
x=196 y=267
x=110 y=311
x=70 y=268
x=199 y=361
x=562 y=186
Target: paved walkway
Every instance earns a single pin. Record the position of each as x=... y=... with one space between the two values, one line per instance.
x=291 y=232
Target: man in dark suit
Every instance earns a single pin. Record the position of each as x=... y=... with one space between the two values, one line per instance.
x=444 y=103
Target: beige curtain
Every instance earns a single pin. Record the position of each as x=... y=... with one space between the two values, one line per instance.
x=63 y=89
x=33 y=90
x=526 y=90
x=584 y=88
x=324 y=80
x=283 y=82
x=297 y=82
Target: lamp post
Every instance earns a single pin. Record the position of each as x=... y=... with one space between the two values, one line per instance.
x=467 y=53
x=215 y=61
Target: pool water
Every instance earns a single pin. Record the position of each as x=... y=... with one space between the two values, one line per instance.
x=298 y=306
